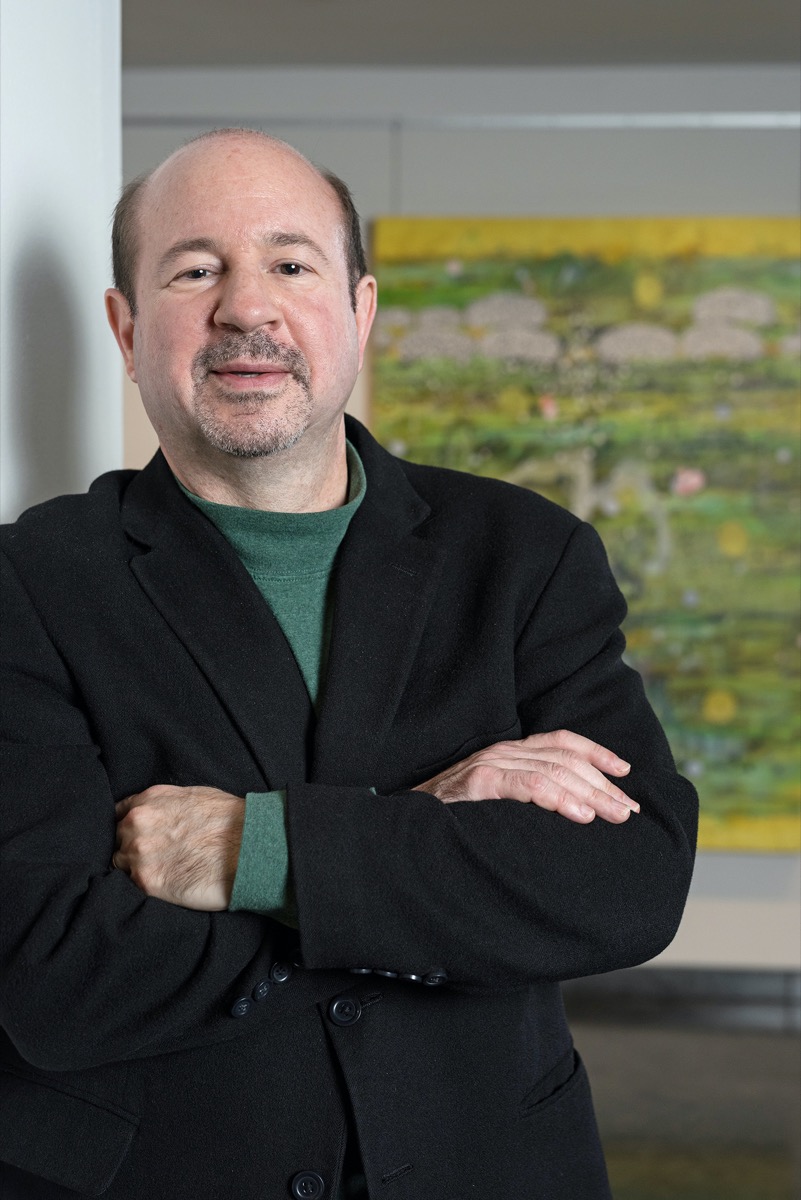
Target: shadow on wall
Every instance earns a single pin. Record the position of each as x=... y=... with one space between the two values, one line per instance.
x=48 y=376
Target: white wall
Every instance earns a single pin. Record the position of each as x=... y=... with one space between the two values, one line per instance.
x=501 y=143
x=60 y=166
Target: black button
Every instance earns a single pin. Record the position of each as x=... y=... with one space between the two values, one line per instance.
x=344 y=1010
x=308 y=1185
x=360 y=970
x=409 y=978
x=386 y=974
x=435 y=977
x=241 y=1007
x=297 y=960
x=280 y=972
x=260 y=991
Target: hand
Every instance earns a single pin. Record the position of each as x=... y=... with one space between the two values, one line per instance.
x=181 y=844
x=560 y=771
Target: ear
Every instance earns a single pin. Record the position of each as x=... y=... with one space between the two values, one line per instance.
x=119 y=316
x=366 y=297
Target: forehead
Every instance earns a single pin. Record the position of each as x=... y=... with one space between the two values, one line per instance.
x=237 y=189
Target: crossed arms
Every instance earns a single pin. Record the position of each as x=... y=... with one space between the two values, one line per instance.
x=181 y=844
x=500 y=892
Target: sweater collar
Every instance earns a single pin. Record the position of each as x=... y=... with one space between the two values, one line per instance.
x=287 y=544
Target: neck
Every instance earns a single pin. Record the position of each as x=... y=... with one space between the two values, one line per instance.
x=301 y=479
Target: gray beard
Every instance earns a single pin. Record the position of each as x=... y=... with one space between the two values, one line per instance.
x=280 y=421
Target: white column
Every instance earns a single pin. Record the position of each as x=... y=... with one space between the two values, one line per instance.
x=60 y=169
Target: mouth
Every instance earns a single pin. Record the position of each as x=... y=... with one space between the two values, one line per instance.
x=247 y=374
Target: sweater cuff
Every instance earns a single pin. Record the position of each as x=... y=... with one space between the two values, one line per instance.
x=262 y=882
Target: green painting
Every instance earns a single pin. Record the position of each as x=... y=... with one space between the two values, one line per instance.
x=645 y=374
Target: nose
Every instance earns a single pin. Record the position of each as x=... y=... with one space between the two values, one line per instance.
x=246 y=302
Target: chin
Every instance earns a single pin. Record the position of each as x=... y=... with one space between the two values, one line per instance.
x=253 y=443
x=259 y=433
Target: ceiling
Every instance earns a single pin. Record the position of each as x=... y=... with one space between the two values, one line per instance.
x=491 y=33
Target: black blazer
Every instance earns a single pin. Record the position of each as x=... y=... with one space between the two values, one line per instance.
x=155 y=1051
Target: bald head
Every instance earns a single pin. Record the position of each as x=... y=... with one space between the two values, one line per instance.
x=125 y=233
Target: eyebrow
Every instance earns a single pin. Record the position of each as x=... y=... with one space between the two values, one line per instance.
x=296 y=239
x=206 y=245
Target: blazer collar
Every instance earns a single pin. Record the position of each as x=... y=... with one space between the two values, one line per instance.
x=195 y=579
x=384 y=582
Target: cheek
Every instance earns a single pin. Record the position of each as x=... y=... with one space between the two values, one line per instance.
x=163 y=350
x=325 y=335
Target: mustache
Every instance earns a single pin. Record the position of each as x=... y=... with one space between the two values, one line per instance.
x=258 y=346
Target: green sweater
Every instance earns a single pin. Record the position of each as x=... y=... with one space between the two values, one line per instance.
x=290 y=557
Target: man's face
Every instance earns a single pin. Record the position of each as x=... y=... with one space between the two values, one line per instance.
x=245 y=339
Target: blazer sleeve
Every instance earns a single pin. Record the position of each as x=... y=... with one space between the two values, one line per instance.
x=496 y=892
x=92 y=970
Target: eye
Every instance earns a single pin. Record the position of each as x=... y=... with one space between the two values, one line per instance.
x=195 y=273
x=293 y=269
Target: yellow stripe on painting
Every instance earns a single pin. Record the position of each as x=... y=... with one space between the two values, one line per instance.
x=422 y=239
x=754 y=834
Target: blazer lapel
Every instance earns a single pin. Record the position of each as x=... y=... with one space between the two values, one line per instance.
x=385 y=580
x=197 y=582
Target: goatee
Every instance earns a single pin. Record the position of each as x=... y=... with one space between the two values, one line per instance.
x=279 y=417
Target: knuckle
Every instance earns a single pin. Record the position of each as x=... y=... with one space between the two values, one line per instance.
x=545 y=797
x=539 y=785
x=131 y=847
x=156 y=790
x=560 y=773
x=483 y=774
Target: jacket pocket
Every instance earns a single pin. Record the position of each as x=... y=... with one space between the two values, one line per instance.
x=556 y=1085
x=555 y=1150
x=60 y=1135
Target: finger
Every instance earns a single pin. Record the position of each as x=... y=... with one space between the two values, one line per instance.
x=135 y=801
x=520 y=757
x=538 y=748
x=577 y=793
x=596 y=779
x=535 y=787
x=594 y=752
x=603 y=806
x=557 y=789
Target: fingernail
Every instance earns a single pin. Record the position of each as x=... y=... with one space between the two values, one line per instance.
x=586 y=811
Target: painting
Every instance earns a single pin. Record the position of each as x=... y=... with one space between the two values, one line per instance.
x=643 y=372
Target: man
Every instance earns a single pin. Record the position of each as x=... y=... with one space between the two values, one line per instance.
x=356 y=717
